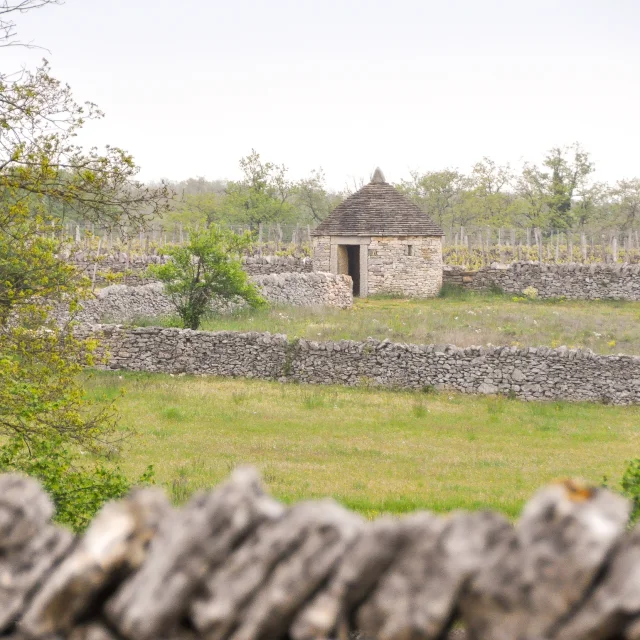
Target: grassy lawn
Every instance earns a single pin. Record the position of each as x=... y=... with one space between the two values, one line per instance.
x=375 y=451
x=604 y=326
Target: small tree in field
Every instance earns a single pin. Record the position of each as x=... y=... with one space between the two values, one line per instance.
x=208 y=268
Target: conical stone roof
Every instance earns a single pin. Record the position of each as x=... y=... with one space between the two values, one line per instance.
x=378 y=209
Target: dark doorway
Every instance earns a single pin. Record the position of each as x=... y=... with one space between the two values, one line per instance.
x=353 y=254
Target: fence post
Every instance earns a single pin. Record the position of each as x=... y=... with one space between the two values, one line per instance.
x=95 y=266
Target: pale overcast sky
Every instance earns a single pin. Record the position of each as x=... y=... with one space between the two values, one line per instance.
x=190 y=86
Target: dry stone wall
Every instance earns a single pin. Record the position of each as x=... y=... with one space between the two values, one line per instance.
x=265 y=265
x=131 y=268
x=234 y=563
x=529 y=374
x=124 y=304
x=573 y=281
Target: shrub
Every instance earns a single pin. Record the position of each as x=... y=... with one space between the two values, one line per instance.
x=207 y=268
x=631 y=487
x=78 y=488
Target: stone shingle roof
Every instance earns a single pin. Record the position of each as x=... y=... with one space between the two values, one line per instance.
x=378 y=209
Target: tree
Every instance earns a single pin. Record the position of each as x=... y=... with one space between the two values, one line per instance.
x=8 y=8
x=263 y=196
x=205 y=270
x=42 y=172
x=439 y=194
x=567 y=175
x=550 y=196
x=313 y=199
x=626 y=203
x=488 y=200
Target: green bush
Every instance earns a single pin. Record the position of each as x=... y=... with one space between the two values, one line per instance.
x=205 y=269
x=78 y=489
x=631 y=487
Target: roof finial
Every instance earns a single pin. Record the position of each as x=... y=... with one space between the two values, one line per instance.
x=378 y=177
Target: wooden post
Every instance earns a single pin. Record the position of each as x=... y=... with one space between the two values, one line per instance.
x=126 y=264
x=614 y=248
x=95 y=266
x=557 y=247
x=569 y=247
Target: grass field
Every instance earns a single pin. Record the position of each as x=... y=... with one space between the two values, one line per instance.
x=470 y=319
x=375 y=451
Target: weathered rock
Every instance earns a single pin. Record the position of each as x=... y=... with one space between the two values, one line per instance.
x=417 y=596
x=114 y=545
x=560 y=544
x=235 y=565
x=265 y=582
x=29 y=545
x=188 y=547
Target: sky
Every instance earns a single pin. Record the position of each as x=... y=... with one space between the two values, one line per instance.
x=190 y=87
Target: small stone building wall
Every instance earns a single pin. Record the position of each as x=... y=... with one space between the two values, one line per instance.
x=573 y=281
x=322 y=254
x=408 y=265
x=391 y=268
x=530 y=373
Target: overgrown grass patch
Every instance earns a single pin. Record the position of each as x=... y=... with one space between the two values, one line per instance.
x=460 y=317
x=373 y=450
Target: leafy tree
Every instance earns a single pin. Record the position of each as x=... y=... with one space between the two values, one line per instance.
x=313 y=199
x=440 y=194
x=567 y=175
x=626 y=203
x=263 y=196
x=78 y=490
x=206 y=269
x=550 y=193
x=488 y=200
x=44 y=171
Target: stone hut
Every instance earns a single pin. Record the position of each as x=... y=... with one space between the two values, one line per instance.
x=383 y=241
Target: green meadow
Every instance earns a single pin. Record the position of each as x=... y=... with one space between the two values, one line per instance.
x=375 y=451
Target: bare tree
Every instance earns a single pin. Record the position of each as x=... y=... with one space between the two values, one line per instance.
x=8 y=9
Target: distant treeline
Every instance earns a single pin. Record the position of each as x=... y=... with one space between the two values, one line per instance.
x=559 y=195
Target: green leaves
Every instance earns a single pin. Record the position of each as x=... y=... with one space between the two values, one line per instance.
x=205 y=270
x=78 y=488
x=631 y=487
x=263 y=196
